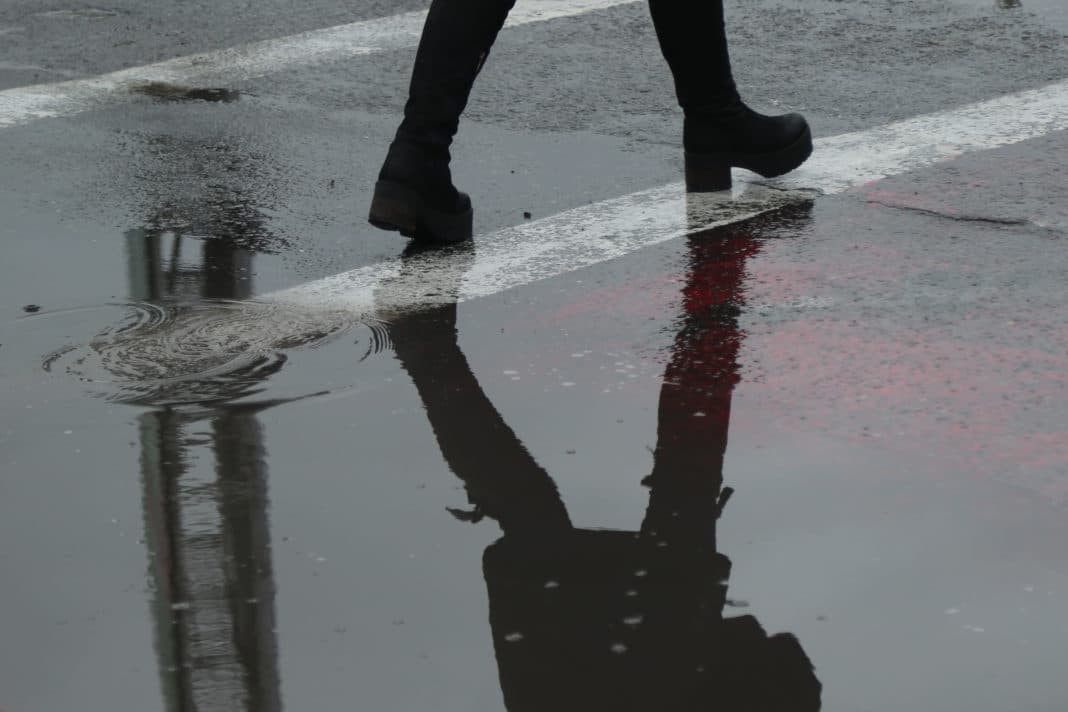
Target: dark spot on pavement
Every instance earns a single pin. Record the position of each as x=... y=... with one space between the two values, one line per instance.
x=174 y=92
x=31 y=308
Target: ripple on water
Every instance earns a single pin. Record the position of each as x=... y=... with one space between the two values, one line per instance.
x=201 y=352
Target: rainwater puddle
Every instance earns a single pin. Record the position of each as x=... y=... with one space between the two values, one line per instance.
x=183 y=353
x=164 y=91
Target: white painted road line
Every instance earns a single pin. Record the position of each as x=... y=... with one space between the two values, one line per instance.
x=22 y=105
x=585 y=236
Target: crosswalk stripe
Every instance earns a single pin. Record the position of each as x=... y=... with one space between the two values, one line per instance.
x=23 y=105
x=610 y=229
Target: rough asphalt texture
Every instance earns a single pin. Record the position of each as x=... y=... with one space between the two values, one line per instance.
x=897 y=440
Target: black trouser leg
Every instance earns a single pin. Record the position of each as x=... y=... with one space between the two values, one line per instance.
x=693 y=39
x=456 y=40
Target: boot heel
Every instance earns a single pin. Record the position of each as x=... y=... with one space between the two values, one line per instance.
x=437 y=226
x=395 y=207
x=399 y=208
x=707 y=173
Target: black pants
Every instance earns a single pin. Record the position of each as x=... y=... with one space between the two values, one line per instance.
x=458 y=36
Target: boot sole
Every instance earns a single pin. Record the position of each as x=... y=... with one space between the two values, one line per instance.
x=398 y=208
x=711 y=172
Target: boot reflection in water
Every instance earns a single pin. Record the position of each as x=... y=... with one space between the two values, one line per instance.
x=415 y=194
x=611 y=620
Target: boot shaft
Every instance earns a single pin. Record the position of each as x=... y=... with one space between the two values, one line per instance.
x=693 y=40
x=456 y=41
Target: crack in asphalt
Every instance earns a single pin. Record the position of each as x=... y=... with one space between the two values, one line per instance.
x=1010 y=222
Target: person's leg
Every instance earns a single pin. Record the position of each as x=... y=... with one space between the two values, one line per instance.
x=414 y=193
x=720 y=131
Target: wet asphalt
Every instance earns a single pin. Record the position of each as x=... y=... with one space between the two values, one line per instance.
x=193 y=520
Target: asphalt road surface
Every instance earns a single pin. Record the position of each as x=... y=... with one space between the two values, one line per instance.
x=629 y=450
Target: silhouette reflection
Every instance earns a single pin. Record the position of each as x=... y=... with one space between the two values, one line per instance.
x=614 y=620
x=203 y=465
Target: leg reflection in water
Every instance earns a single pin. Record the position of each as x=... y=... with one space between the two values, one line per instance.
x=614 y=620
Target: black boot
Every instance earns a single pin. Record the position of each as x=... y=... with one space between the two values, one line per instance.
x=414 y=194
x=720 y=131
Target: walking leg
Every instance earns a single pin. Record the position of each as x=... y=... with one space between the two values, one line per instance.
x=415 y=194
x=719 y=130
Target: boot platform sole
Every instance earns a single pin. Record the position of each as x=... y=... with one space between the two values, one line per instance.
x=711 y=172
x=400 y=208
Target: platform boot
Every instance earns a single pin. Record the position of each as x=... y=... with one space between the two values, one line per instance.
x=719 y=130
x=414 y=194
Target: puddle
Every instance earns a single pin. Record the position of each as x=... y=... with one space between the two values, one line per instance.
x=164 y=91
x=190 y=353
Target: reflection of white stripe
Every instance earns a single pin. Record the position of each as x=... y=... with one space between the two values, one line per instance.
x=603 y=231
x=223 y=67
x=534 y=251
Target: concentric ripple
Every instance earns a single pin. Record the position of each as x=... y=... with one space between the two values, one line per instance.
x=202 y=352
